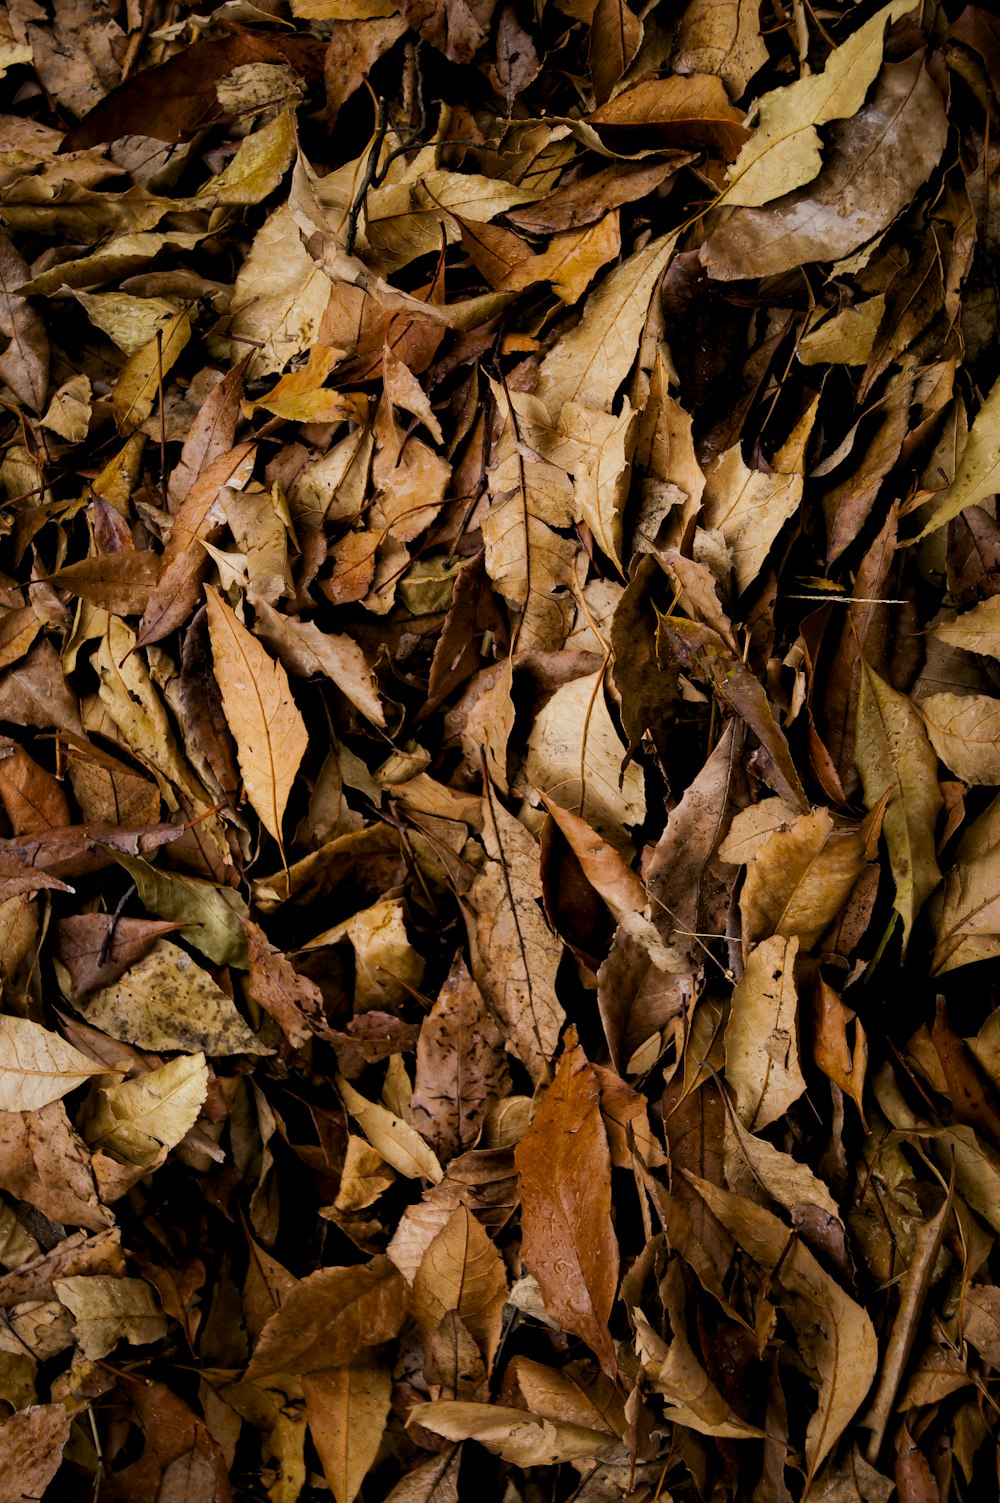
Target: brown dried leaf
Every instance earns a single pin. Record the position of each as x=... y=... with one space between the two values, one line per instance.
x=330 y=1318
x=564 y=1171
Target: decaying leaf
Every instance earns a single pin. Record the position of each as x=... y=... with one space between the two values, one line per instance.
x=38 y=1066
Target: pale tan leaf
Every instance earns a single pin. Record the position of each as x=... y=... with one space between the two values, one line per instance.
x=575 y=755
x=107 y=1310
x=531 y=565
x=750 y=507
x=964 y=730
x=513 y=1434
x=346 y=1409
x=591 y=361
x=787 y=1182
x=363 y=1176
x=800 y=877
x=893 y=755
x=977 y=630
x=836 y=1337
x=723 y=37
x=978 y=472
x=845 y=339
x=280 y=296
x=38 y=1066
x=167 y=1001
x=965 y=914
x=394 y=1139
x=31 y=1443
x=270 y=734
x=24 y=364
x=137 y=1120
x=762 y=1048
x=518 y=954
x=785 y=149
x=387 y=967
x=141 y=377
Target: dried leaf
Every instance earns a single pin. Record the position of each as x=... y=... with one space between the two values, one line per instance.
x=564 y=1171
x=762 y=1052
x=270 y=734
x=894 y=755
x=108 y=1310
x=784 y=150
x=346 y=1408
x=330 y=1318
x=462 y=1271
x=38 y=1066
x=516 y=1436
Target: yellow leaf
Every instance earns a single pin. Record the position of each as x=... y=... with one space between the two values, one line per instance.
x=140 y=378
x=137 y=1120
x=964 y=730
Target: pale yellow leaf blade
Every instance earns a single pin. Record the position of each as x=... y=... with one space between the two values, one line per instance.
x=978 y=473
x=513 y=1434
x=762 y=1048
x=270 y=733
x=398 y=1143
x=108 y=1309
x=892 y=753
x=785 y=149
x=38 y=1066
x=964 y=730
x=137 y=1120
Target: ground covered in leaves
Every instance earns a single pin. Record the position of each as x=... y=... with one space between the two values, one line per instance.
x=500 y=847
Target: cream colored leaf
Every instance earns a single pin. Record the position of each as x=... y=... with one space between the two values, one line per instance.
x=750 y=507
x=575 y=755
x=395 y=1140
x=785 y=149
x=800 y=878
x=137 y=1120
x=13 y=50
x=518 y=954
x=68 y=413
x=462 y=1271
x=516 y=1436
x=591 y=361
x=977 y=630
x=107 y=1310
x=723 y=37
x=166 y=1001
x=762 y=1036
x=837 y=1341
x=270 y=733
x=406 y=218
x=845 y=339
x=978 y=472
x=965 y=914
x=346 y=1409
x=37 y=1066
x=893 y=755
x=279 y=298
x=305 y=650
x=964 y=730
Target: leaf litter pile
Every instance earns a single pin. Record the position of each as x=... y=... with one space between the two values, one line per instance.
x=500 y=646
